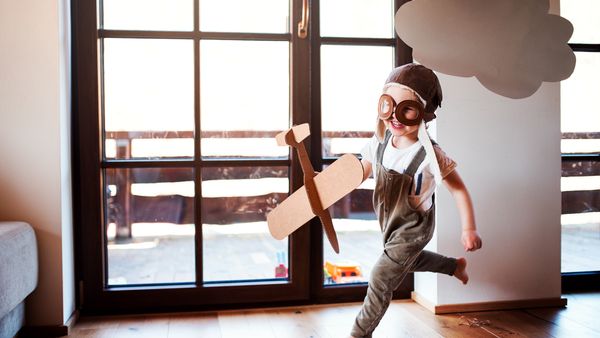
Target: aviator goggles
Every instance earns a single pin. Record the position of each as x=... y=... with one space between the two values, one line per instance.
x=407 y=112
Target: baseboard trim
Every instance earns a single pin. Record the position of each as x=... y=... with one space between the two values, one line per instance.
x=488 y=306
x=38 y=331
x=72 y=321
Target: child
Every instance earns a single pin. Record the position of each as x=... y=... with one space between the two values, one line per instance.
x=407 y=169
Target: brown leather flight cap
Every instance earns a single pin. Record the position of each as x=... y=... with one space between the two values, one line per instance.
x=424 y=81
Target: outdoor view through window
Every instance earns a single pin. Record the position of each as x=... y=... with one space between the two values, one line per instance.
x=580 y=127
x=243 y=99
x=149 y=115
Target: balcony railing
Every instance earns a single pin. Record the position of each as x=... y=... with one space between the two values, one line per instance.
x=125 y=207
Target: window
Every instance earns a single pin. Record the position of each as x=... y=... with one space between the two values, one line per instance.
x=176 y=107
x=580 y=144
x=355 y=57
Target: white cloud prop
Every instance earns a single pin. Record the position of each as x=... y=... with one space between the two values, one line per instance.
x=510 y=46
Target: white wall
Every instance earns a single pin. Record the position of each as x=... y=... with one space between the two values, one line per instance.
x=35 y=172
x=508 y=152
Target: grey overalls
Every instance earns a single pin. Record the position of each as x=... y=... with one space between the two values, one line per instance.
x=405 y=232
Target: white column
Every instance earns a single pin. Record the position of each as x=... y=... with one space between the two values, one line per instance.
x=35 y=170
x=508 y=154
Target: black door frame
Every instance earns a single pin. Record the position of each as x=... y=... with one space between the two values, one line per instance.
x=306 y=249
x=402 y=55
x=585 y=280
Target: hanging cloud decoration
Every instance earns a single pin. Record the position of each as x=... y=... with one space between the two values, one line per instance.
x=510 y=46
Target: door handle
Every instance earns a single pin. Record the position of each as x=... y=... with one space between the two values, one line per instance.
x=303 y=24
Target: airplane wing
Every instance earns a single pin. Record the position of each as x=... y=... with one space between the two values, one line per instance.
x=335 y=182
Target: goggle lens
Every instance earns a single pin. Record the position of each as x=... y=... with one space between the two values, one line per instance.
x=407 y=112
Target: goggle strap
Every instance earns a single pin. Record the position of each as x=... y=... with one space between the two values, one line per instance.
x=430 y=153
x=399 y=85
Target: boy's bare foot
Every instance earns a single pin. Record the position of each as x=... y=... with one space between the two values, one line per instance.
x=461 y=270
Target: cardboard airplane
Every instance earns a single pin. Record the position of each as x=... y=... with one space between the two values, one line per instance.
x=320 y=190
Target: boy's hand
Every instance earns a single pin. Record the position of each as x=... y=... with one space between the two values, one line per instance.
x=471 y=240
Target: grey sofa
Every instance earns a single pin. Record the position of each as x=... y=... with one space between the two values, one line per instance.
x=18 y=274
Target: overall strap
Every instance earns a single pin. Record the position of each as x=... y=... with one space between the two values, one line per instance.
x=381 y=147
x=416 y=162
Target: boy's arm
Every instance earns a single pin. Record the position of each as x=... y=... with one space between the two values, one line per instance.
x=470 y=238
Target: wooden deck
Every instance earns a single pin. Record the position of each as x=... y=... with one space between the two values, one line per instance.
x=580 y=247
x=231 y=254
x=403 y=319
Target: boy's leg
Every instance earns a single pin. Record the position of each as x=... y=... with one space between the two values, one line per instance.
x=434 y=262
x=386 y=275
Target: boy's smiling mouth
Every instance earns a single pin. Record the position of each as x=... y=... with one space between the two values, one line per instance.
x=396 y=124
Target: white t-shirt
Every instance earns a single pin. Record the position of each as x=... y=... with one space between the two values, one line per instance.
x=399 y=159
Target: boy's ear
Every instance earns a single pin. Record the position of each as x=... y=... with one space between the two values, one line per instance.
x=380 y=130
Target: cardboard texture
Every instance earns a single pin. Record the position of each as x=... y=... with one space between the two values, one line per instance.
x=510 y=46
x=294 y=135
x=319 y=192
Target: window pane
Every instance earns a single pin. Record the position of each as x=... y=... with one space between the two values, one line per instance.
x=149 y=98
x=580 y=182
x=150 y=232
x=357 y=18
x=351 y=81
x=583 y=14
x=580 y=185
x=258 y=16
x=580 y=120
x=244 y=98
x=237 y=244
x=359 y=237
x=156 y=15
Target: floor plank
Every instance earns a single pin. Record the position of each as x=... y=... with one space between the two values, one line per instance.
x=398 y=323
x=292 y=323
x=589 y=299
x=194 y=326
x=449 y=325
x=403 y=319
x=515 y=323
x=143 y=326
x=333 y=320
x=564 y=325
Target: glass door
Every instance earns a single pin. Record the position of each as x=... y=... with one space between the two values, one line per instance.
x=176 y=108
x=580 y=145
x=178 y=105
x=355 y=48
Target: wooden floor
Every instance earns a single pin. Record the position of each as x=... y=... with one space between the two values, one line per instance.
x=581 y=318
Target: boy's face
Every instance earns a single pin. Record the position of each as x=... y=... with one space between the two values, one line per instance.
x=393 y=125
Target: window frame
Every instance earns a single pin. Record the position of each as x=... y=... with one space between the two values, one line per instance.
x=402 y=54
x=306 y=281
x=581 y=280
